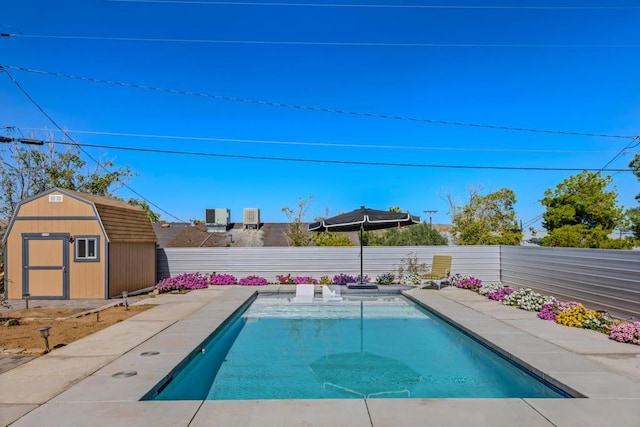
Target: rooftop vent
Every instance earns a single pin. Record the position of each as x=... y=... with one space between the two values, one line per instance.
x=251 y=218
x=217 y=220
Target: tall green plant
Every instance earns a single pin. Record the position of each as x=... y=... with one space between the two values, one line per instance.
x=486 y=220
x=582 y=212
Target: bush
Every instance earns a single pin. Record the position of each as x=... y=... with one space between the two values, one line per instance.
x=285 y=280
x=324 y=280
x=385 y=279
x=302 y=280
x=223 y=279
x=253 y=281
x=343 y=279
x=500 y=294
x=182 y=282
x=528 y=300
x=627 y=333
x=580 y=317
x=465 y=282
x=487 y=288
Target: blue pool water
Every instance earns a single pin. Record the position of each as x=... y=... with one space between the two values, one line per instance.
x=359 y=347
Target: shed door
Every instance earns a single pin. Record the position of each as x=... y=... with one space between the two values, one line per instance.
x=45 y=264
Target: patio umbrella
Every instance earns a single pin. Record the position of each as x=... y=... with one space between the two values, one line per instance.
x=364 y=219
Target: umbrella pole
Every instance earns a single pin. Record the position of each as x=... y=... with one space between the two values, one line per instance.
x=361 y=264
x=361 y=328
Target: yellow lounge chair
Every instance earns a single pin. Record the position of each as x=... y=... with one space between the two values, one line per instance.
x=440 y=270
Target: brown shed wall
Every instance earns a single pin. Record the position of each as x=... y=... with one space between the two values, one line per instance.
x=132 y=266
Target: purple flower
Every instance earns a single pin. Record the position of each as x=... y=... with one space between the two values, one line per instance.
x=343 y=279
x=253 y=281
x=499 y=294
x=626 y=332
x=181 y=282
x=302 y=280
x=223 y=279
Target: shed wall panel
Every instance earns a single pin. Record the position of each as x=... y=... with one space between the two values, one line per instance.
x=86 y=279
x=69 y=206
x=132 y=267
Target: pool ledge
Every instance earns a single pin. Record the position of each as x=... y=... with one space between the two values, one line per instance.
x=75 y=385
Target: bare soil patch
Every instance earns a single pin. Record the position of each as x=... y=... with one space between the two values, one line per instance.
x=63 y=331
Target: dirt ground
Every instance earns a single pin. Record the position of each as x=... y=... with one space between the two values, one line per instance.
x=63 y=331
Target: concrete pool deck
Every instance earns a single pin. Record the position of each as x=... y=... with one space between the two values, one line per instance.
x=75 y=386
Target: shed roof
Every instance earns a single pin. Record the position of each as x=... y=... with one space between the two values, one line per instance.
x=121 y=221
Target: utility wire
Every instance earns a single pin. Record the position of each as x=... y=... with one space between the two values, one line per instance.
x=35 y=103
x=342 y=162
x=321 y=43
x=313 y=144
x=311 y=108
x=375 y=6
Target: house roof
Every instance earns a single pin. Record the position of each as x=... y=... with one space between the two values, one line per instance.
x=121 y=221
x=182 y=235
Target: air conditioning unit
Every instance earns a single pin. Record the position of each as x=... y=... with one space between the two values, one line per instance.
x=251 y=218
x=217 y=220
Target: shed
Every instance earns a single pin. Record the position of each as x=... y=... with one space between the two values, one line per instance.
x=62 y=244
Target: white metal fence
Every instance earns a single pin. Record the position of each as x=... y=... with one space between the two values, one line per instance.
x=268 y=262
x=600 y=279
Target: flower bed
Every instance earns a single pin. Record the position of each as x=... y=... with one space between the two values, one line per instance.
x=569 y=313
x=183 y=282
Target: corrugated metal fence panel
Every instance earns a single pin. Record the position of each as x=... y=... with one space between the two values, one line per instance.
x=480 y=261
x=599 y=278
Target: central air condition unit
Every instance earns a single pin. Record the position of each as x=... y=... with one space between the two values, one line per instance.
x=217 y=220
x=251 y=218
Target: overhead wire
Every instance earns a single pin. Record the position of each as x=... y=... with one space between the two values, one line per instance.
x=331 y=161
x=312 y=108
x=322 y=43
x=313 y=144
x=376 y=6
x=73 y=142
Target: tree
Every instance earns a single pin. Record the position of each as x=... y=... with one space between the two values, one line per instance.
x=25 y=172
x=142 y=204
x=486 y=220
x=581 y=212
x=298 y=233
x=633 y=214
x=332 y=238
x=414 y=235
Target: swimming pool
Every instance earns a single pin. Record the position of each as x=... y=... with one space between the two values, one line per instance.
x=360 y=347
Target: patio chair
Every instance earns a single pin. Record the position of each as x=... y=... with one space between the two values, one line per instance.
x=304 y=294
x=331 y=294
x=440 y=270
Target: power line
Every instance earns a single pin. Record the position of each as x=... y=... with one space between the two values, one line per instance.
x=311 y=108
x=322 y=43
x=375 y=6
x=313 y=144
x=39 y=107
x=342 y=162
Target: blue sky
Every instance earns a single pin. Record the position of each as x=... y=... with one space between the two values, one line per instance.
x=549 y=65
